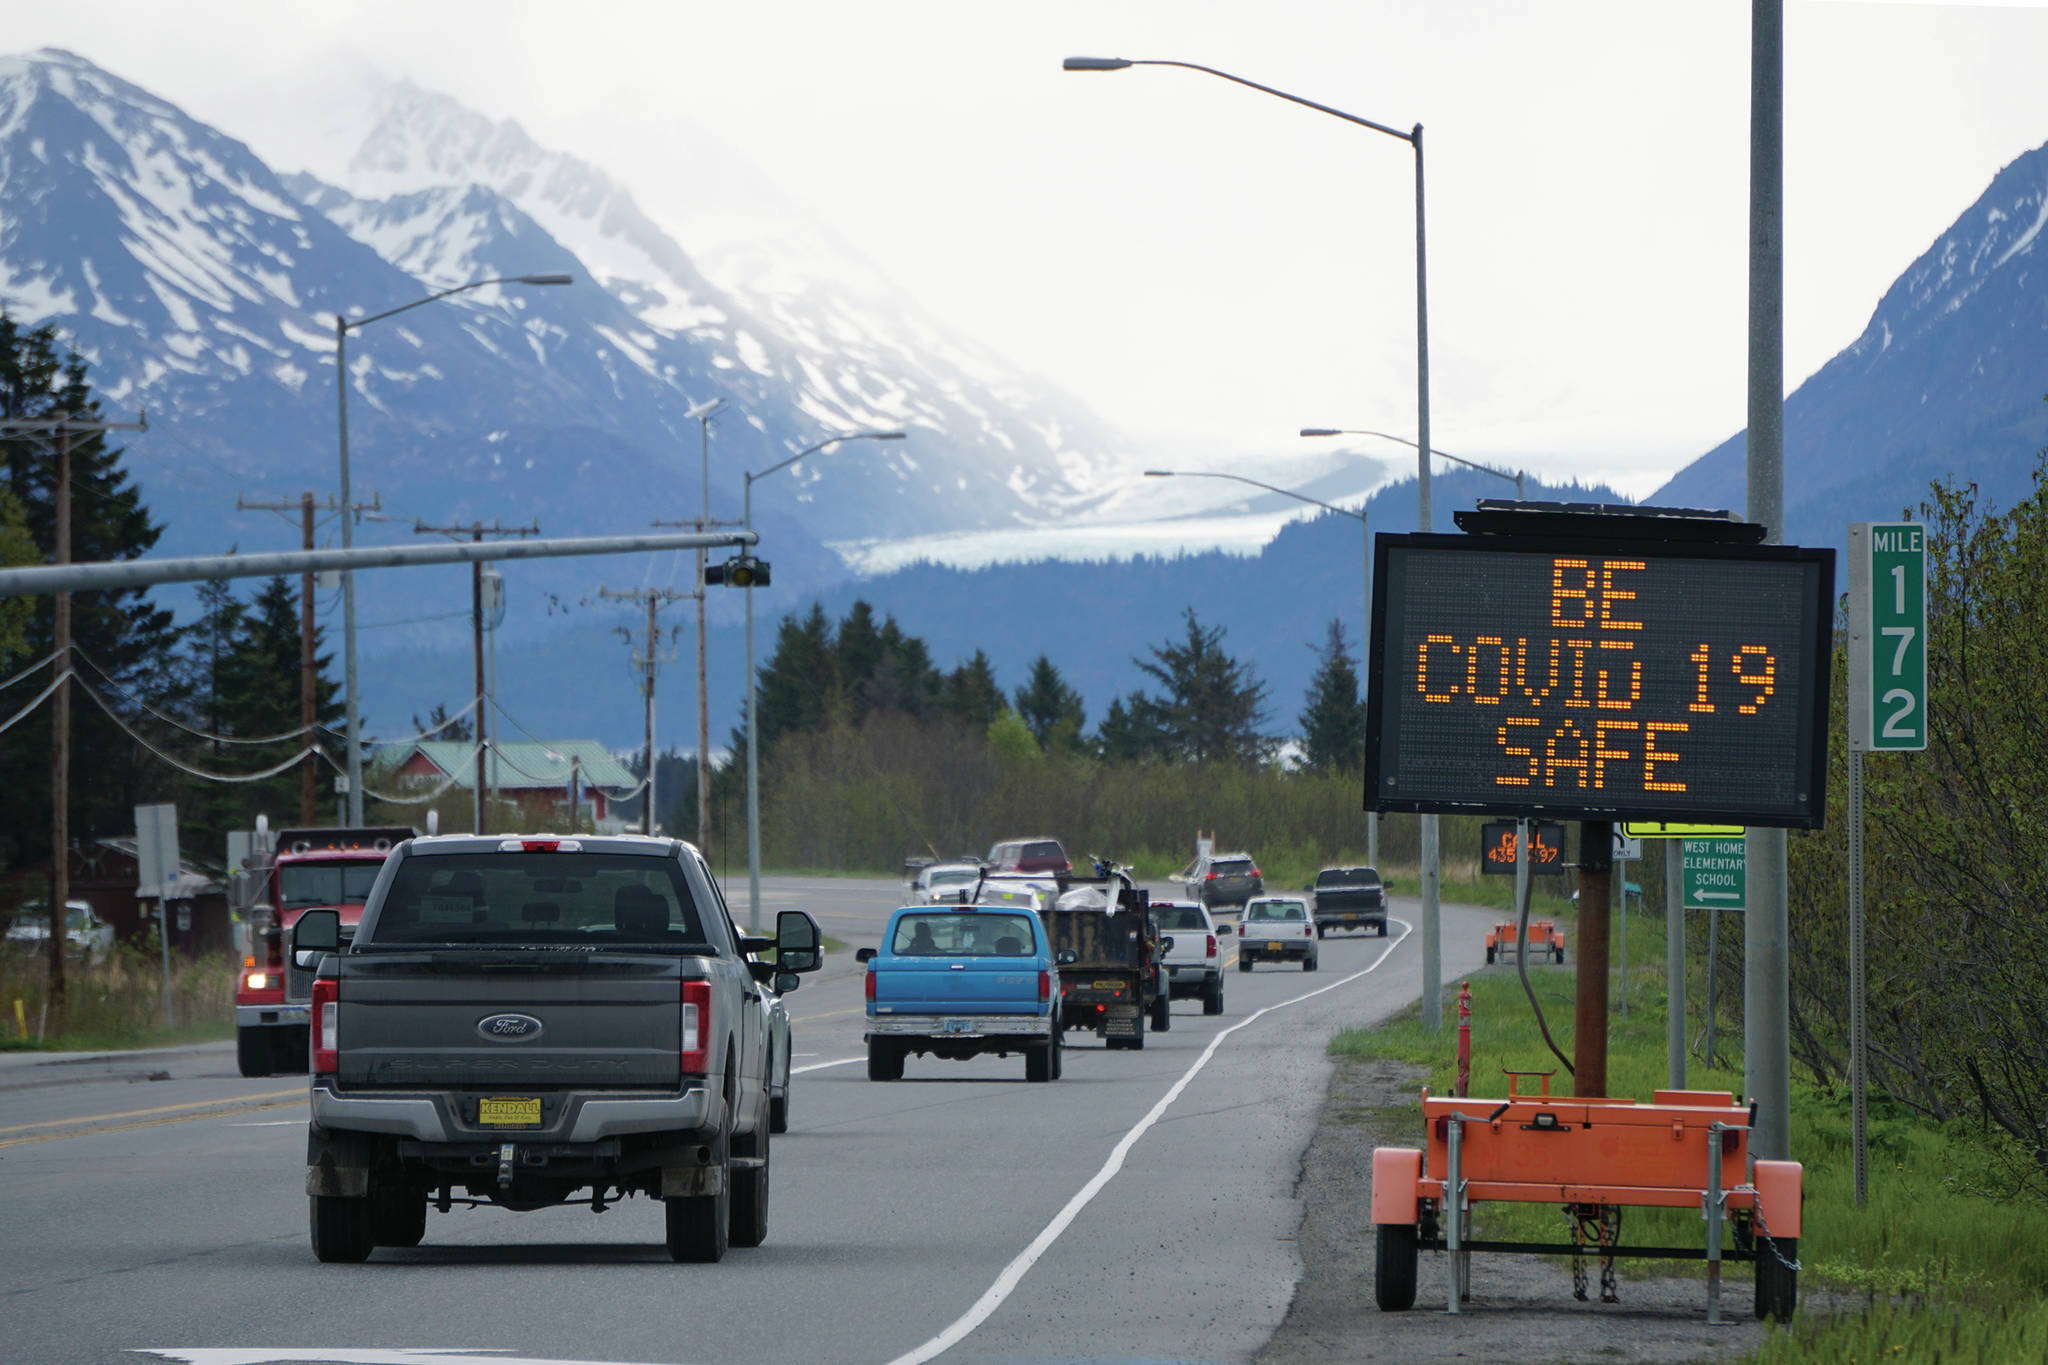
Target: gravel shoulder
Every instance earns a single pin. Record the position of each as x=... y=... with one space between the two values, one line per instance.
x=1521 y=1311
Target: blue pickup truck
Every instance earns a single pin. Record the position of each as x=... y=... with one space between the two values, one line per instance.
x=957 y=981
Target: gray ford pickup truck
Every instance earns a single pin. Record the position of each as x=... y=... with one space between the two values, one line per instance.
x=530 y=1021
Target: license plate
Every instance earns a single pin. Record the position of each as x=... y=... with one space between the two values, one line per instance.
x=505 y=1111
x=1273 y=946
x=958 y=1025
x=1111 y=986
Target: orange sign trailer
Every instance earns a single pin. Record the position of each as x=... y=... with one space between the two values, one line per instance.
x=1594 y=1157
x=1545 y=940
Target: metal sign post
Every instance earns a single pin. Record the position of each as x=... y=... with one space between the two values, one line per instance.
x=1887 y=711
x=156 y=872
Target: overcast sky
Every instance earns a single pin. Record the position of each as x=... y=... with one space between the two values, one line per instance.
x=1200 y=262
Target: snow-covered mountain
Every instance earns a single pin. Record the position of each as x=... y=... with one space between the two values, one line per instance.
x=1947 y=380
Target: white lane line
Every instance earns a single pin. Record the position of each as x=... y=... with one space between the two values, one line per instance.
x=1013 y=1273
x=820 y=1066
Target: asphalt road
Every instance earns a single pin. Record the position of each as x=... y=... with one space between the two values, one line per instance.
x=1144 y=1207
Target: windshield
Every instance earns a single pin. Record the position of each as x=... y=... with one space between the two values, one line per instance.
x=942 y=877
x=956 y=934
x=1276 y=910
x=540 y=898
x=336 y=883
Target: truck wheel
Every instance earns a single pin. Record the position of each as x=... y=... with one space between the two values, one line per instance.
x=1162 y=1013
x=288 y=1056
x=778 y=1113
x=398 y=1218
x=1383 y=928
x=1212 y=995
x=1059 y=1051
x=750 y=1199
x=1038 y=1062
x=1244 y=963
x=1777 y=1284
x=253 y=1051
x=699 y=1225
x=1393 y=1279
x=885 y=1060
x=341 y=1228
x=1308 y=964
x=1322 y=931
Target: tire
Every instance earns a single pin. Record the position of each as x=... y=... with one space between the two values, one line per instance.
x=749 y=1225
x=1162 y=1013
x=1212 y=995
x=1393 y=1276
x=700 y=1225
x=1059 y=1050
x=1489 y=957
x=253 y=1051
x=288 y=1051
x=1777 y=1284
x=1560 y=957
x=1309 y=963
x=341 y=1228
x=885 y=1060
x=1244 y=964
x=1038 y=1064
x=778 y=1113
x=1322 y=931
x=1383 y=928
x=398 y=1218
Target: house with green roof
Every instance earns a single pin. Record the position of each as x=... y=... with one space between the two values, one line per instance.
x=544 y=778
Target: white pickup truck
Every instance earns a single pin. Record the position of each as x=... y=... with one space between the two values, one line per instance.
x=1194 y=964
x=1278 y=929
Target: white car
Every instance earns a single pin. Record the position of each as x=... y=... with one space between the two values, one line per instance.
x=945 y=881
x=1279 y=929
x=84 y=930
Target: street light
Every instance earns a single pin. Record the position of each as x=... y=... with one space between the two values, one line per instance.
x=753 y=709
x=1432 y=946
x=1372 y=823
x=1514 y=478
x=703 y=413
x=342 y=327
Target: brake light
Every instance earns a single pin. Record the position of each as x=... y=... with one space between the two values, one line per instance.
x=1044 y=987
x=693 y=1053
x=871 y=983
x=1212 y=945
x=1256 y=872
x=539 y=845
x=326 y=1021
x=1210 y=877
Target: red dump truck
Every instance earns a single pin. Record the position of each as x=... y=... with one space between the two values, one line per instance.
x=290 y=872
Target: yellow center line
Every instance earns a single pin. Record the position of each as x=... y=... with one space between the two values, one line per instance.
x=235 y=1109
x=159 y=1109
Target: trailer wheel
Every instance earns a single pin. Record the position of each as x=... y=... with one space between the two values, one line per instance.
x=341 y=1228
x=1560 y=954
x=1489 y=955
x=1777 y=1283
x=1393 y=1277
x=885 y=1060
x=1162 y=1013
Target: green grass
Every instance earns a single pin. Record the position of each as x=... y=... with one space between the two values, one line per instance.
x=1932 y=1252
x=115 y=1000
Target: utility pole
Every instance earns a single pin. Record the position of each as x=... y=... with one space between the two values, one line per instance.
x=309 y=682
x=703 y=413
x=476 y=531
x=647 y=662
x=65 y=426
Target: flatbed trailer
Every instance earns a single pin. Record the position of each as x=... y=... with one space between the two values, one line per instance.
x=1545 y=940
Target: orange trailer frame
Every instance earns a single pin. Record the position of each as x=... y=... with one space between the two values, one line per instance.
x=1544 y=937
x=1593 y=1157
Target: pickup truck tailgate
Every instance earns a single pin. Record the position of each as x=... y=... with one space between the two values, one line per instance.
x=956 y=986
x=424 y=1020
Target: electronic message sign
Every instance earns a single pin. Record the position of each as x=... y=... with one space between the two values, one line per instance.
x=1575 y=679
x=1497 y=840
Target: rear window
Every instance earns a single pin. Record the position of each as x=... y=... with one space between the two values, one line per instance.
x=1347 y=876
x=1045 y=849
x=1231 y=867
x=956 y=934
x=1179 y=917
x=539 y=898
x=1276 y=910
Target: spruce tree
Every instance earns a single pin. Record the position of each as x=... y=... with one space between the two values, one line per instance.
x=1051 y=708
x=1213 y=705
x=796 y=686
x=1333 y=721
x=971 y=694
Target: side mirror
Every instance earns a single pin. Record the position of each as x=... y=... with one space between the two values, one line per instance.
x=1166 y=945
x=317 y=932
x=1225 y=930
x=750 y=944
x=865 y=955
x=785 y=982
x=798 y=947
x=1065 y=957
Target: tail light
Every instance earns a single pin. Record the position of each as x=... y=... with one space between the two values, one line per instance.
x=871 y=983
x=1212 y=945
x=1211 y=877
x=693 y=1049
x=326 y=1030
x=1044 y=987
x=1257 y=873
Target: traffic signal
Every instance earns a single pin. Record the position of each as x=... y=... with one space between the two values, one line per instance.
x=743 y=572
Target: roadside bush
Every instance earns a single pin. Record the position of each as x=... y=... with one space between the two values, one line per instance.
x=115 y=999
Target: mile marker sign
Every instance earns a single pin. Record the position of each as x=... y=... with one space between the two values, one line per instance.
x=1716 y=873
x=1887 y=636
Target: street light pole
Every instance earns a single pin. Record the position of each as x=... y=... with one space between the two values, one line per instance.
x=342 y=327
x=1514 y=478
x=753 y=708
x=1432 y=964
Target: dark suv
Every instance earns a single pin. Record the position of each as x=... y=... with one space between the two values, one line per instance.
x=1044 y=856
x=1228 y=879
